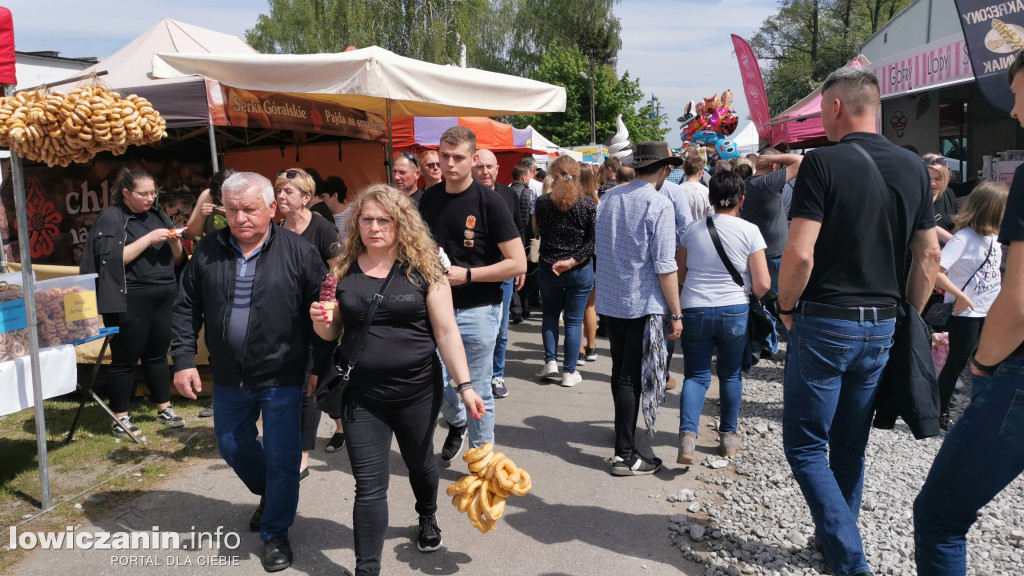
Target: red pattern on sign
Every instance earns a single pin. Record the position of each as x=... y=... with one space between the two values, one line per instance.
x=43 y=219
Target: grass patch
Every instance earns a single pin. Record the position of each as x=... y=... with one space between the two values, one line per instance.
x=95 y=470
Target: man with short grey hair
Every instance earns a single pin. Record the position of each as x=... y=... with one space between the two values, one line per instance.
x=251 y=285
x=859 y=209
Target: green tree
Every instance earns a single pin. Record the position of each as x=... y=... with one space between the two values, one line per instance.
x=808 y=39
x=507 y=36
x=568 y=67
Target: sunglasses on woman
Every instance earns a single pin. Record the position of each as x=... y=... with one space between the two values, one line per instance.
x=289 y=174
x=940 y=161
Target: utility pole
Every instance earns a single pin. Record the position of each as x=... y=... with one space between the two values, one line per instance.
x=593 y=122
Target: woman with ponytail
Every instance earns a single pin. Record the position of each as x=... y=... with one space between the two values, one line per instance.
x=565 y=221
x=133 y=250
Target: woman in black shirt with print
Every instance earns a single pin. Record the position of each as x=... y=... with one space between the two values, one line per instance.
x=393 y=393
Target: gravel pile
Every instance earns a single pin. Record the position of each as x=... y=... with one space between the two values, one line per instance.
x=752 y=519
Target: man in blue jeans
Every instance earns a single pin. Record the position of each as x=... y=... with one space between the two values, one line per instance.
x=251 y=285
x=838 y=294
x=475 y=228
x=984 y=451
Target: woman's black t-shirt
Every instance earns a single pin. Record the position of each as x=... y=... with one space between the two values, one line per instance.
x=155 y=266
x=945 y=208
x=398 y=360
x=322 y=234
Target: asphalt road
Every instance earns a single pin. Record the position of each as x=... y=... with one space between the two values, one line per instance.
x=578 y=520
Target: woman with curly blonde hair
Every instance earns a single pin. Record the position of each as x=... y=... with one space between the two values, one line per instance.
x=393 y=394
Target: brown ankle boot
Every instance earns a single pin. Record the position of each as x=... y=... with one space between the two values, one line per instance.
x=730 y=443
x=687 y=446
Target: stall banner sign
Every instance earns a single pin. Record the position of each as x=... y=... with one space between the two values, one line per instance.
x=592 y=154
x=994 y=32
x=941 y=62
x=63 y=202
x=80 y=306
x=230 y=106
x=12 y=315
x=753 y=87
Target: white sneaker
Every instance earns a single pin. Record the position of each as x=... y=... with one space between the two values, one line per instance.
x=550 y=371
x=581 y=361
x=570 y=379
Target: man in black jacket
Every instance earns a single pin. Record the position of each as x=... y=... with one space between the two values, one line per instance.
x=252 y=284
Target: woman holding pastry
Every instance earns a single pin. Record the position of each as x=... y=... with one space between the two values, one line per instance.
x=393 y=394
x=293 y=190
x=133 y=249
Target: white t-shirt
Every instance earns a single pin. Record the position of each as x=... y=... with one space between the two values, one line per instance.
x=961 y=256
x=537 y=190
x=697 y=197
x=708 y=283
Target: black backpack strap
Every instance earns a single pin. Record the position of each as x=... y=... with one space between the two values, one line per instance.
x=717 y=241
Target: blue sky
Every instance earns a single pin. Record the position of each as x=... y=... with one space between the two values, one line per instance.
x=679 y=49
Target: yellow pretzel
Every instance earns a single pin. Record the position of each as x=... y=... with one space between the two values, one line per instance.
x=525 y=484
x=502 y=473
x=477 y=453
x=480 y=465
x=461 y=485
x=488 y=473
x=497 y=489
x=492 y=507
x=456 y=499
x=495 y=464
x=468 y=495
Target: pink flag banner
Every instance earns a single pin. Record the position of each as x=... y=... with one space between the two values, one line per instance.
x=753 y=87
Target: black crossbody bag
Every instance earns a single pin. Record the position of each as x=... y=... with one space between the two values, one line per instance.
x=334 y=378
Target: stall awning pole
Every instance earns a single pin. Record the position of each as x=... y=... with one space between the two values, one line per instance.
x=29 y=289
x=389 y=147
x=213 y=149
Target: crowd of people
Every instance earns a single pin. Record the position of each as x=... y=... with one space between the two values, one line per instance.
x=843 y=239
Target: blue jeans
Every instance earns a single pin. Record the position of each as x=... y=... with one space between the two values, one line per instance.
x=564 y=294
x=773 y=271
x=704 y=330
x=980 y=456
x=829 y=385
x=270 y=469
x=479 y=329
x=502 y=341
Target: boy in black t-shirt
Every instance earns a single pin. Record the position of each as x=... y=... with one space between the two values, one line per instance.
x=474 y=228
x=984 y=451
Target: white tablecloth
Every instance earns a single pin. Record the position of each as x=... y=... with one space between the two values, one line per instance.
x=57 y=367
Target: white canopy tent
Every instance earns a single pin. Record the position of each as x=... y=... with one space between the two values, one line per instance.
x=372 y=79
x=747 y=141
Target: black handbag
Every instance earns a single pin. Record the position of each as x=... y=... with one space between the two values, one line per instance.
x=334 y=377
x=760 y=322
x=939 y=314
x=908 y=387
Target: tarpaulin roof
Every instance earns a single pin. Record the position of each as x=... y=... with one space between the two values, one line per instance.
x=181 y=101
x=800 y=124
x=412 y=132
x=372 y=79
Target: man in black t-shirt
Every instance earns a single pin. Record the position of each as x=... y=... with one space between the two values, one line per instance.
x=475 y=229
x=843 y=271
x=984 y=451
